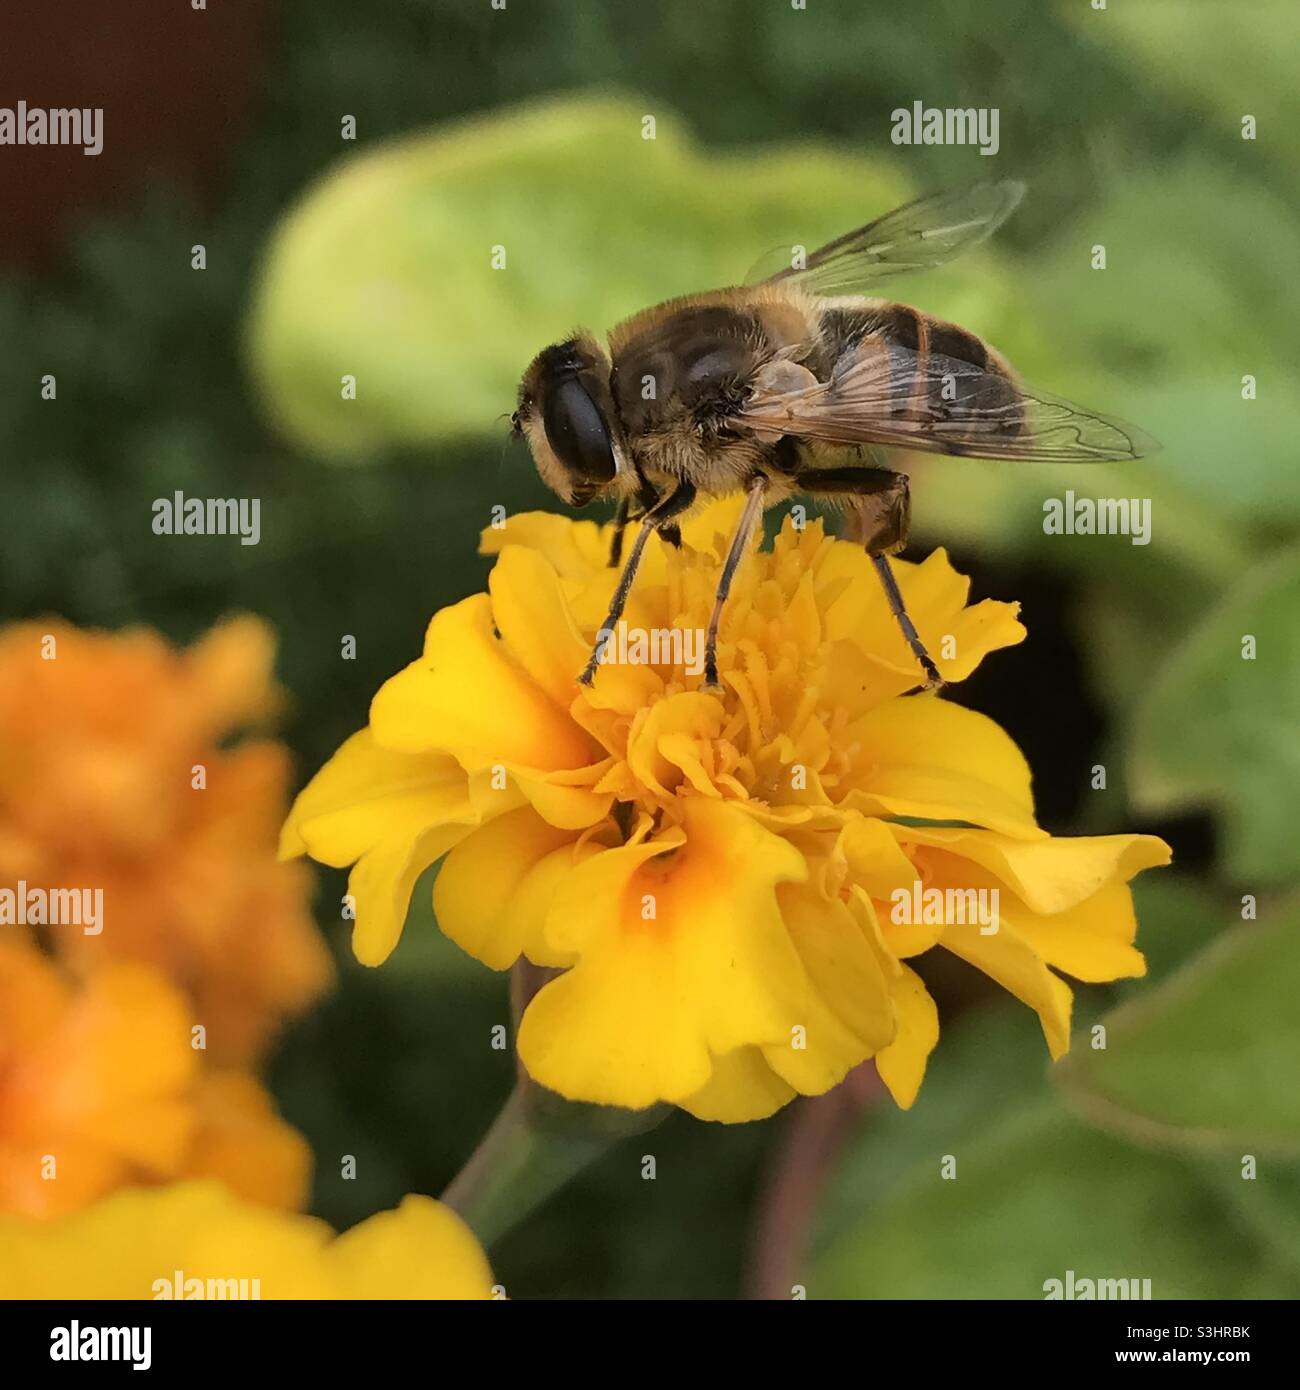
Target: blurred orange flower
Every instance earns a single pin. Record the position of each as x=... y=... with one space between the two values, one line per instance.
x=101 y=1088
x=116 y=774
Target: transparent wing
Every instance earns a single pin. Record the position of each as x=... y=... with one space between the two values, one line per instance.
x=917 y=236
x=892 y=396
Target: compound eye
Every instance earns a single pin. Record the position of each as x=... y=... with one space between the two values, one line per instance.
x=576 y=432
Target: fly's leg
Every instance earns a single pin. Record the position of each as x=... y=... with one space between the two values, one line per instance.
x=749 y=518
x=620 y=525
x=883 y=502
x=656 y=519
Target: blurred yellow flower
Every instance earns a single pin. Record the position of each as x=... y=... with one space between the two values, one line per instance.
x=195 y=1240
x=116 y=775
x=100 y=1088
x=730 y=885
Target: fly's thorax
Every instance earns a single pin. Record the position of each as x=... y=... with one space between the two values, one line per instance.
x=688 y=363
x=686 y=368
x=716 y=468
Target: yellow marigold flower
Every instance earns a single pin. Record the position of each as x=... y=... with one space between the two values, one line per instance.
x=100 y=1088
x=100 y=736
x=714 y=876
x=196 y=1240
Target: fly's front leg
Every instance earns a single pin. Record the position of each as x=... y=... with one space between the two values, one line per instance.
x=646 y=498
x=883 y=501
x=620 y=525
x=655 y=520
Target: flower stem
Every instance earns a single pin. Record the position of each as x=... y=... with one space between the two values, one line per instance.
x=537 y=1143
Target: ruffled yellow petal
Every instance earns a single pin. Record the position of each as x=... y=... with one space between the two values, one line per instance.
x=366 y=794
x=492 y=894
x=924 y=757
x=132 y=1244
x=682 y=955
x=421 y=1250
x=851 y=680
x=391 y=814
x=380 y=887
x=1020 y=971
x=889 y=880
x=197 y=1240
x=661 y=747
x=710 y=528
x=902 y=1064
x=935 y=596
x=1093 y=940
x=849 y=1015
x=575 y=549
x=568 y=800
x=867 y=853
x=1047 y=875
x=467 y=697
x=535 y=622
x=743 y=1087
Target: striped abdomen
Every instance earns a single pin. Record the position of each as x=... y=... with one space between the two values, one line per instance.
x=935 y=370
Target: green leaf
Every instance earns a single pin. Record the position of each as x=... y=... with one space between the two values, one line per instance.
x=384 y=270
x=1216 y=728
x=1036 y=1197
x=1036 y=1193
x=1267 y=1201
x=996 y=1049
x=1206 y=1062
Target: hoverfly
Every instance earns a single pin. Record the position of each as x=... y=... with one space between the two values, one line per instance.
x=793 y=385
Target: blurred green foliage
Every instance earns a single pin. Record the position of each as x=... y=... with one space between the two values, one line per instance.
x=1133 y=1166
x=1213 y=727
x=589 y=221
x=1245 y=1099
x=522 y=128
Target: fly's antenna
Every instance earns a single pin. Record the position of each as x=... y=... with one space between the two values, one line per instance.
x=511 y=435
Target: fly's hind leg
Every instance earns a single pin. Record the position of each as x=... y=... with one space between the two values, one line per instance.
x=883 y=502
x=933 y=680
